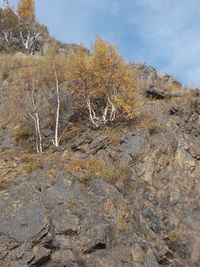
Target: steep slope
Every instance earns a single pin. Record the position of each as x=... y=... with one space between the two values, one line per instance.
x=124 y=195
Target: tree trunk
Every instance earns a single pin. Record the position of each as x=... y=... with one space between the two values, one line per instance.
x=56 y=140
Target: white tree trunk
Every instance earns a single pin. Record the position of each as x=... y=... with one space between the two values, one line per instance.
x=29 y=43
x=35 y=117
x=113 y=110
x=38 y=137
x=56 y=140
x=92 y=114
x=39 y=133
x=109 y=113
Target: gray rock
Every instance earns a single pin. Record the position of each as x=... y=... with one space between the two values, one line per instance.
x=42 y=255
x=150 y=259
x=155 y=92
x=131 y=147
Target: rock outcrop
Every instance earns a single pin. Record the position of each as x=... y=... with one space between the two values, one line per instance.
x=147 y=76
x=150 y=217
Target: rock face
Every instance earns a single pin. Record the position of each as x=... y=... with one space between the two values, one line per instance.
x=145 y=216
x=150 y=218
x=148 y=76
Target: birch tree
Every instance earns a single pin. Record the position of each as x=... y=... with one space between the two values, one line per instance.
x=104 y=77
x=13 y=26
x=34 y=115
x=26 y=93
x=56 y=139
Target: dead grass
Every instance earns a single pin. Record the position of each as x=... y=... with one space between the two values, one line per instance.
x=116 y=174
x=85 y=169
x=152 y=124
x=175 y=236
x=22 y=133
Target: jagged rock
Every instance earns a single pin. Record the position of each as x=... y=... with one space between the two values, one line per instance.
x=174 y=110
x=150 y=259
x=150 y=217
x=41 y=255
x=174 y=264
x=148 y=76
x=145 y=73
x=131 y=147
x=155 y=92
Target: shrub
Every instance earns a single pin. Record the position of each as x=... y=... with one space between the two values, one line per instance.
x=33 y=166
x=154 y=128
x=175 y=236
x=91 y=167
x=151 y=122
x=194 y=104
x=22 y=133
x=5 y=73
x=116 y=174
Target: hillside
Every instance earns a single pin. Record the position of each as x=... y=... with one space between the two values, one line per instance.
x=99 y=160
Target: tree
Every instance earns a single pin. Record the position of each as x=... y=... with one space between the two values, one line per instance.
x=28 y=97
x=52 y=74
x=26 y=10
x=104 y=80
x=15 y=29
x=56 y=140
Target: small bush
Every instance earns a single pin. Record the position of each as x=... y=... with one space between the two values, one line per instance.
x=5 y=73
x=22 y=133
x=33 y=166
x=151 y=123
x=194 y=104
x=175 y=236
x=116 y=174
x=72 y=205
x=86 y=168
x=154 y=128
x=91 y=166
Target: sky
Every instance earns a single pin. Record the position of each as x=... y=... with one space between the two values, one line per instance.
x=162 y=34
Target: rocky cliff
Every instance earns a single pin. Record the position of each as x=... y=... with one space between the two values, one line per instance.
x=124 y=195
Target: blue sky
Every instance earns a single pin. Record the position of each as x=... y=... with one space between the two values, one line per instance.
x=160 y=33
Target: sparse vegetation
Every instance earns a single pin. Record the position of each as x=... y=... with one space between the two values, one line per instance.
x=22 y=133
x=175 y=236
x=116 y=174
x=87 y=168
x=195 y=104
x=5 y=73
x=33 y=166
x=154 y=128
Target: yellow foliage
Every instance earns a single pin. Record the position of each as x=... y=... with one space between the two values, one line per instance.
x=26 y=10
x=102 y=73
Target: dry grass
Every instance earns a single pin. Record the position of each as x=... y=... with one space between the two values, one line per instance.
x=116 y=174
x=152 y=124
x=85 y=169
x=175 y=237
x=22 y=133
